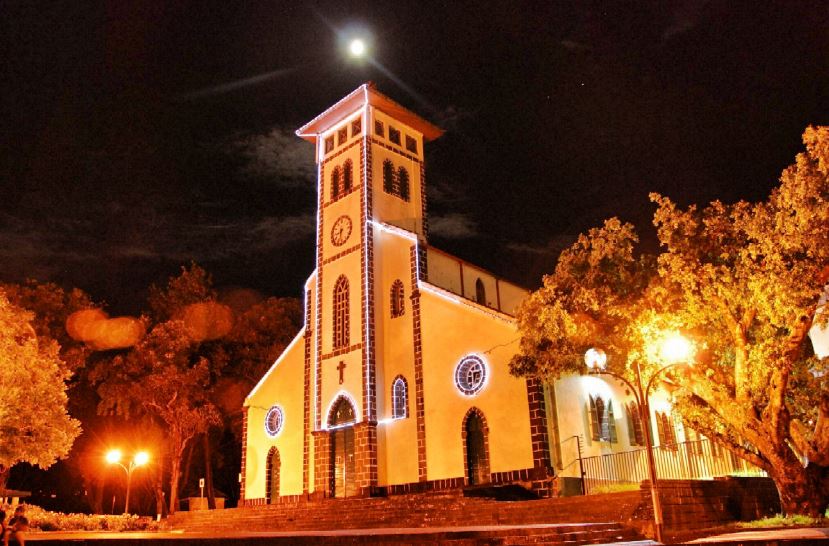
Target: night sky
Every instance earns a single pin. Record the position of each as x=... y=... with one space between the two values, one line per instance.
x=138 y=136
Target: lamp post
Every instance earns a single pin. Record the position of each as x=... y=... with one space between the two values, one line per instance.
x=674 y=348
x=139 y=459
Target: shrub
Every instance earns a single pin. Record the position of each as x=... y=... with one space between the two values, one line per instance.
x=43 y=520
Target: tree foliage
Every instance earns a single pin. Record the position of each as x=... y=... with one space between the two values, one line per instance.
x=745 y=281
x=192 y=285
x=35 y=426
x=51 y=306
x=163 y=377
x=193 y=369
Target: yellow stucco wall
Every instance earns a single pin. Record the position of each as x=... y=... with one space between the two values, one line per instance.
x=396 y=439
x=281 y=386
x=349 y=266
x=452 y=330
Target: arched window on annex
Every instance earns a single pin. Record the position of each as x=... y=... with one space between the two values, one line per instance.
x=272 y=476
x=665 y=429
x=480 y=292
x=602 y=420
x=340 y=313
x=348 y=176
x=336 y=183
x=403 y=183
x=636 y=432
x=399 y=398
x=475 y=434
x=342 y=413
x=398 y=301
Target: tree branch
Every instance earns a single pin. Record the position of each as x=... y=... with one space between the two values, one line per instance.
x=738 y=332
x=816 y=450
x=777 y=411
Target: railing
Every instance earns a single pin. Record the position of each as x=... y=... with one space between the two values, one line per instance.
x=698 y=460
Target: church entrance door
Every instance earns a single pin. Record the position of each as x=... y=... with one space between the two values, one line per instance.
x=345 y=484
x=475 y=451
x=343 y=462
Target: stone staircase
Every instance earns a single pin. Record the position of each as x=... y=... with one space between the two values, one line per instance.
x=436 y=518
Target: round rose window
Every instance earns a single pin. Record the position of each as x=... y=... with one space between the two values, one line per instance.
x=470 y=375
x=274 y=420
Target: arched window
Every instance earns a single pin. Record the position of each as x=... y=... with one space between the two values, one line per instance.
x=388 y=177
x=602 y=420
x=480 y=292
x=341 y=313
x=403 y=183
x=336 y=181
x=347 y=176
x=397 y=299
x=399 y=398
x=665 y=430
x=636 y=434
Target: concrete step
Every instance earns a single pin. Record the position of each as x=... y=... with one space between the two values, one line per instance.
x=411 y=511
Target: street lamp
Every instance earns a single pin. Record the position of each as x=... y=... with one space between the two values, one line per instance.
x=674 y=349
x=139 y=459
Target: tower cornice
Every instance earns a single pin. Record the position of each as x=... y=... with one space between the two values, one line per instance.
x=364 y=95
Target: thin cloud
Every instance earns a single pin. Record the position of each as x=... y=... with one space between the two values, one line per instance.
x=452 y=226
x=552 y=248
x=277 y=155
x=274 y=232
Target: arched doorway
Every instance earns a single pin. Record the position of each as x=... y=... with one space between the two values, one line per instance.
x=343 y=464
x=272 y=477
x=476 y=456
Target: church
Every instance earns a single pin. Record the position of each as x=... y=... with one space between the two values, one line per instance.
x=398 y=381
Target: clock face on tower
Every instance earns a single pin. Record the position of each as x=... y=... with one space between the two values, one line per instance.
x=341 y=230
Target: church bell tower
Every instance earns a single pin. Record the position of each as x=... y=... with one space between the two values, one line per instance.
x=370 y=177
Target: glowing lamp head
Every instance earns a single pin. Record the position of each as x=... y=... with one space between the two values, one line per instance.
x=113 y=456
x=596 y=359
x=357 y=47
x=676 y=348
x=141 y=458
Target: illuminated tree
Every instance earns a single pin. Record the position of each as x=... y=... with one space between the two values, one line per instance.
x=51 y=306
x=163 y=378
x=35 y=426
x=192 y=285
x=745 y=281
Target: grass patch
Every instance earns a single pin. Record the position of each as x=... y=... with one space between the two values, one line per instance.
x=794 y=520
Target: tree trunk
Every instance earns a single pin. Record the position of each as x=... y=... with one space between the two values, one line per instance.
x=158 y=486
x=188 y=463
x=802 y=490
x=4 y=475
x=208 y=472
x=175 y=472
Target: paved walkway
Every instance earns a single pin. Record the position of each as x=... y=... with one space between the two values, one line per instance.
x=384 y=531
x=806 y=533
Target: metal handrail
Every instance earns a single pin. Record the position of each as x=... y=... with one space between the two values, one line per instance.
x=699 y=459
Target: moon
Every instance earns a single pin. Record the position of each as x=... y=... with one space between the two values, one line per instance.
x=357 y=47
